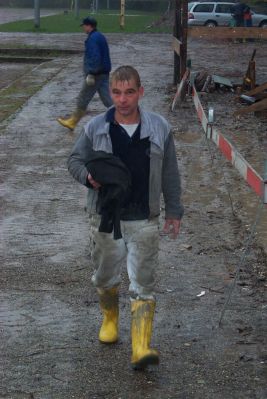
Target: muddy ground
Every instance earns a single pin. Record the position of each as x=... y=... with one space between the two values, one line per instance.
x=49 y=310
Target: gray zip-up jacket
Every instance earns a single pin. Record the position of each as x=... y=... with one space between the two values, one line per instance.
x=164 y=175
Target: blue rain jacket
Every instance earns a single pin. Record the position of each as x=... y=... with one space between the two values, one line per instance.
x=96 y=56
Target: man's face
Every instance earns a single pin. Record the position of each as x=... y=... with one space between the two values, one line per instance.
x=87 y=28
x=125 y=96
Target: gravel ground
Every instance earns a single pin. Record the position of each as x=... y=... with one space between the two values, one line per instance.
x=49 y=310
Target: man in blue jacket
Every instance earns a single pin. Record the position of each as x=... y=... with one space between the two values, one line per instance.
x=96 y=67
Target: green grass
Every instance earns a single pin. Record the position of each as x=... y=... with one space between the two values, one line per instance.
x=67 y=23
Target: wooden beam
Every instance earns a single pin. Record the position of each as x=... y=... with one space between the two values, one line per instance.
x=176 y=44
x=224 y=32
x=257 y=90
x=258 y=106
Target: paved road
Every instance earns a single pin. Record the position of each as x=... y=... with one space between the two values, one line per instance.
x=17 y=14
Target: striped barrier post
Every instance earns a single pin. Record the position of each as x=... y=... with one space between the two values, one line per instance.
x=265 y=182
x=253 y=179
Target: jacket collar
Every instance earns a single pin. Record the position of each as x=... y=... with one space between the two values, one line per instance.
x=146 y=125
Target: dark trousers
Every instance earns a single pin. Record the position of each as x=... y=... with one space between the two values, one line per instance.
x=87 y=92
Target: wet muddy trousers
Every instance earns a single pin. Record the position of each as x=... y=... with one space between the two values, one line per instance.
x=100 y=86
x=138 y=246
x=141 y=328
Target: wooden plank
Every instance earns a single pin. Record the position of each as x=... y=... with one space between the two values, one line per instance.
x=257 y=90
x=180 y=93
x=176 y=45
x=258 y=106
x=224 y=32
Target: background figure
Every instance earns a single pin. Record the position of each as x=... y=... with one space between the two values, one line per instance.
x=96 y=67
x=238 y=10
x=248 y=17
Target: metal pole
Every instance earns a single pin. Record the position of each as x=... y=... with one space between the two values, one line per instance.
x=122 y=16
x=76 y=9
x=37 y=13
x=108 y=5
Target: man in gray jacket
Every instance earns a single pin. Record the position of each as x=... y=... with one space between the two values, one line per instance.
x=143 y=142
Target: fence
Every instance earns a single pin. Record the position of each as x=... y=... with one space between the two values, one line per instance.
x=253 y=179
x=223 y=32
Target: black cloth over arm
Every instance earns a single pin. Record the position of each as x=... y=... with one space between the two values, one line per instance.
x=115 y=180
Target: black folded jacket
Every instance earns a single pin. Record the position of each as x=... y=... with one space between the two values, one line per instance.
x=115 y=179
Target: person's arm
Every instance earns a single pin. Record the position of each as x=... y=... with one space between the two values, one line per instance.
x=77 y=160
x=171 y=187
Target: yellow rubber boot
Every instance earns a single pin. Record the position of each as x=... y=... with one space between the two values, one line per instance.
x=71 y=122
x=142 y=320
x=109 y=304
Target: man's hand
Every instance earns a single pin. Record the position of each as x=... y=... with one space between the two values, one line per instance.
x=93 y=182
x=172 y=227
x=90 y=80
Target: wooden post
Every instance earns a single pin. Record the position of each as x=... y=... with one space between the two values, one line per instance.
x=36 y=13
x=177 y=35
x=249 y=81
x=183 y=59
x=180 y=33
x=122 y=15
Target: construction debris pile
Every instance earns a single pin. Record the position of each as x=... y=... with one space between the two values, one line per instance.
x=207 y=83
x=255 y=99
x=248 y=93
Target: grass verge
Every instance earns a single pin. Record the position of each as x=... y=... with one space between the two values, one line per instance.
x=107 y=23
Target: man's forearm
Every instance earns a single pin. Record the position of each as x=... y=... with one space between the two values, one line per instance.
x=78 y=159
x=171 y=182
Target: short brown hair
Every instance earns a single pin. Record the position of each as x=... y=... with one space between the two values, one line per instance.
x=125 y=73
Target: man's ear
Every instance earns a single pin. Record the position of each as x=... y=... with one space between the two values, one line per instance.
x=141 y=91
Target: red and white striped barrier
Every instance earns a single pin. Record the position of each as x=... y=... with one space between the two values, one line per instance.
x=254 y=180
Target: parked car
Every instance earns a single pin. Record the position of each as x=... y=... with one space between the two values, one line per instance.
x=217 y=14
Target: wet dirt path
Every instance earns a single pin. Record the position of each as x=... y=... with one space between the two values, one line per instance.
x=49 y=310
